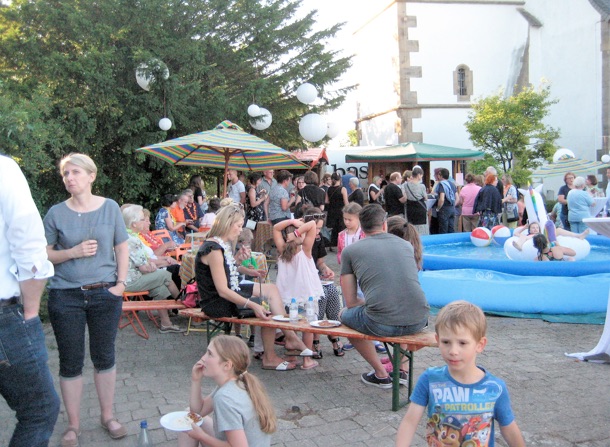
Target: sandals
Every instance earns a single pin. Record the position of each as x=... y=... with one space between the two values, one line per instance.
x=317 y=352
x=281 y=340
x=70 y=442
x=295 y=352
x=116 y=433
x=338 y=351
x=284 y=366
x=258 y=355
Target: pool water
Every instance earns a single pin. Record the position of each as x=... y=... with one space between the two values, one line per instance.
x=496 y=252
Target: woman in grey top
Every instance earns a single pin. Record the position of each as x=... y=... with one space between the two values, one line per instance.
x=87 y=243
x=417 y=210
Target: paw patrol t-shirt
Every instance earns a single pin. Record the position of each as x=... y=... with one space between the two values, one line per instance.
x=462 y=415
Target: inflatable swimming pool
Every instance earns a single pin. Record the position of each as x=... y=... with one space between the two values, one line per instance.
x=498 y=284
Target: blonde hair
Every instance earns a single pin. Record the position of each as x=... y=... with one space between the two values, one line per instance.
x=225 y=218
x=246 y=236
x=398 y=226
x=234 y=350
x=352 y=208
x=462 y=314
x=80 y=160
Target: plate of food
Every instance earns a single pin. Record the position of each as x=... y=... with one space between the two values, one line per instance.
x=180 y=420
x=325 y=323
x=283 y=318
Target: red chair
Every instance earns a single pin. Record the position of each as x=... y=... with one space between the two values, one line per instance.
x=131 y=316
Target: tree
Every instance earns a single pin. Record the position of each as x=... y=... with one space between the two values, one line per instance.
x=67 y=79
x=512 y=130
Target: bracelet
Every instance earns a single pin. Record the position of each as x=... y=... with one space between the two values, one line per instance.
x=246 y=305
x=296 y=233
x=122 y=282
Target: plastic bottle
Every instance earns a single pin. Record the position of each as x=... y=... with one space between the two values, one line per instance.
x=294 y=311
x=310 y=310
x=144 y=439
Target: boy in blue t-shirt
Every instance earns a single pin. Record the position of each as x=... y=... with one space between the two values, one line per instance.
x=463 y=399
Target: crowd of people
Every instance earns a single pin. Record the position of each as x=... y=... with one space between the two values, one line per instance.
x=92 y=251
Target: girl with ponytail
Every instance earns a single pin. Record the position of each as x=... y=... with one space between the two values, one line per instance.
x=242 y=411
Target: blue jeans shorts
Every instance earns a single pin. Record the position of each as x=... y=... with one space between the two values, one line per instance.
x=71 y=312
x=357 y=319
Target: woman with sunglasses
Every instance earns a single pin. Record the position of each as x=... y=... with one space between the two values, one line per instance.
x=221 y=293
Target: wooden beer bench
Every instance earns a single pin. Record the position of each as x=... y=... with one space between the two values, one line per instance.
x=131 y=308
x=396 y=352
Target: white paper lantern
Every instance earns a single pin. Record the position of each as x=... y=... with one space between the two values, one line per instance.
x=254 y=110
x=165 y=124
x=313 y=127
x=264 y=120
x=333 y=130
x=606 y=158
x=144 y=72
x=142 y=78
x=307 y=93
x=563 y=154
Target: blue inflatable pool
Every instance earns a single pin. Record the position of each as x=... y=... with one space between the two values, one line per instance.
x=502 y=285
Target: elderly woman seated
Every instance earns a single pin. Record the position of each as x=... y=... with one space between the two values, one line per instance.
x=143 y=273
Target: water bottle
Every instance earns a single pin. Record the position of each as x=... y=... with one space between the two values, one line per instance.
x=294 y=311
x=310 y=310
x=144 y=439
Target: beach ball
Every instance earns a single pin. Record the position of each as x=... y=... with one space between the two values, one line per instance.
x=500 y=234
x=481 y=237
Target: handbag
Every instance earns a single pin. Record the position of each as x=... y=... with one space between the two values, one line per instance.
x=189 y=294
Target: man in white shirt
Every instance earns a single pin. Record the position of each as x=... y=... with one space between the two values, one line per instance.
x=237 y=190
x=25 y=380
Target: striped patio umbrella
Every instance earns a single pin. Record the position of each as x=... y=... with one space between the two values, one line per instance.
x=575 y=165
x=225 y=147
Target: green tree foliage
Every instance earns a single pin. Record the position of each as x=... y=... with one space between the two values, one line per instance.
x=67 y=82
x=512 y=130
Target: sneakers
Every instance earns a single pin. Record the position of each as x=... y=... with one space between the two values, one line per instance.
x=404 y=376
x=170 y=329
x=380 y=348
x=373 y=380
x=348 y=347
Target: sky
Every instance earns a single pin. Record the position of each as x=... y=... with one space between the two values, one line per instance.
x=331 y=12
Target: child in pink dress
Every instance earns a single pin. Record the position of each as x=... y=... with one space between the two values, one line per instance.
x=297 y=275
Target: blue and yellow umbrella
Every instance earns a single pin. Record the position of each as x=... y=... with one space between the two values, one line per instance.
x=225 y=147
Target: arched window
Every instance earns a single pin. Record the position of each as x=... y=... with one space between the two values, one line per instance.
x=462 y=83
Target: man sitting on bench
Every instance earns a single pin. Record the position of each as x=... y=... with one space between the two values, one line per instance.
x=394 y=303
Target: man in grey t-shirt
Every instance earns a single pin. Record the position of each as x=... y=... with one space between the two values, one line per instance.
x=394 y=303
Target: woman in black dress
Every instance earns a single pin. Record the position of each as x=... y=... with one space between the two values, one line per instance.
x=336 y=199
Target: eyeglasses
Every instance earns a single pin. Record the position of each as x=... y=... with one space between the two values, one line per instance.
x=317 y=216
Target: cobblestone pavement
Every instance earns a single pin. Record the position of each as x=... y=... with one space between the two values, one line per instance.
x=557 y=401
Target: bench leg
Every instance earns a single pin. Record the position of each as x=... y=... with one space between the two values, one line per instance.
x=396 y=354
x=214 y=328
x=133 y=318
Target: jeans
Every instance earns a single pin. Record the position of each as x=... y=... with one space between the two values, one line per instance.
x=357 y=319
x=564 y=221
x=25 y=380
x=578 y=227
x=70 y=311
x=446 y=220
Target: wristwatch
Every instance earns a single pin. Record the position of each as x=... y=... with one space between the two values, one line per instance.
x=122 y=282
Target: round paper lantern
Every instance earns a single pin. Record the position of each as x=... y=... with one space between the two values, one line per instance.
x=313 y=127
x=307 y=93
x=333 y=130
x=500 y=234
x=606 y=158
x=144 y=72
x=165 y=124
x=254 y=110
x=264 y=120
x=563 y=154
x=142 y=78
x=480 y=237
